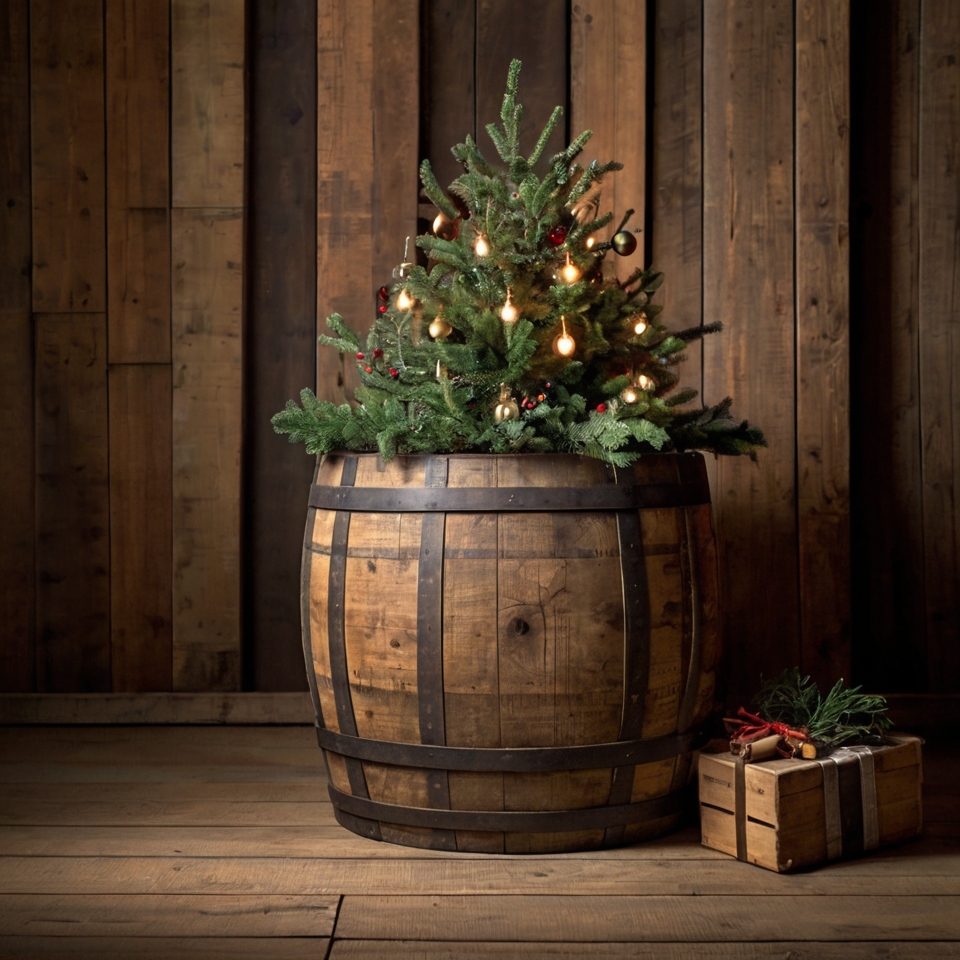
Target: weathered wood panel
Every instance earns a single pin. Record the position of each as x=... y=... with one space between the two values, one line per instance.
x=823 y=348
x=207 y=400
x=67 y=132
x=608 y=93
x=345 y=165
x=939 y=338
x=207 y=102
x=886 y=483
x=749 y=284
x=447 y=81
x=535 y=32
x=141 y=561
x=677 y=157
x=72 y=499
x=281 y=330
x=17 y=651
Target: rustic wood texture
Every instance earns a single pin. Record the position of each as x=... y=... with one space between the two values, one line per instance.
x=939 y=342
x=166 y=841
x=17 y=646
x=608 y=94
x=207 y=102
x=67 y=161
x=281 y=331
x=749 y=283
x=823 y=350
x=886 y=468
x=447 y=83
x=537 y=33
x=141 y=556
x=539 y=636
x=138 y=169
x=207 y=397
x=676 y=237
x=72 y=500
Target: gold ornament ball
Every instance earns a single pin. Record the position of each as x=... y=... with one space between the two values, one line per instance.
x=506 y=408
x=439 y=329
x=624 y=243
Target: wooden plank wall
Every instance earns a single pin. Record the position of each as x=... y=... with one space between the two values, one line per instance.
x=905 y=187
x=149 y=514
x=124 y=188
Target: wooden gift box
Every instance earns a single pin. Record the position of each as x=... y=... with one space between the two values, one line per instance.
x=796 y=813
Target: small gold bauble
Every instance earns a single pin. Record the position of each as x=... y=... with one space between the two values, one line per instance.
x=506 y=408
x=439 y=329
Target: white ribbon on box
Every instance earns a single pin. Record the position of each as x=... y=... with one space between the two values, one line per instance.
x=831 y=796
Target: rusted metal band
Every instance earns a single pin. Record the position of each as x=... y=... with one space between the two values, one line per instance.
x=508 y=499
x=430 y=644
x=592 y=756
x=740 y=805
x=511 y=821
x=336 y=596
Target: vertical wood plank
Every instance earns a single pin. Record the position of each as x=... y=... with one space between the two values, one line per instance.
x=207 y=102
x=608 y=72
x=67 y=131
x=822 y=297
x=138 y=102
x=345 y=169
x=207 y=188
x=72 y=498
x=886 y=482
x=676 y=178
x=939 y=285
x=396 y=137
x=138 y=180
x=17 y=648
x=141 y=623
x=748 y=283
x=207 y=308
x=280 y=329
x=447 y=82
x=535 y=32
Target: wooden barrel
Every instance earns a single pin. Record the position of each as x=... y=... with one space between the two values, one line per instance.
x=509 y=653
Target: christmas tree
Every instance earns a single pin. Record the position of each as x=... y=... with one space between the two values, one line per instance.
x=511 y=338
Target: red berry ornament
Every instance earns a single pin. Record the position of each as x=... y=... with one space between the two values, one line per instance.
x=359 y=356
x=601 y=407
x=378 y=353
x=394 y=373
x=384 y=294
x=368 y=369
x=382 y=308
x=557 y=235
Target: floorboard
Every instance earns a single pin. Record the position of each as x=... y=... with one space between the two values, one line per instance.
x=216 y=842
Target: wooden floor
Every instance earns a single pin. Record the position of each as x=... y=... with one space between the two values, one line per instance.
x=218 y=842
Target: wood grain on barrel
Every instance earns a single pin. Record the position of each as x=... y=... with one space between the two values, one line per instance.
x=533 y=646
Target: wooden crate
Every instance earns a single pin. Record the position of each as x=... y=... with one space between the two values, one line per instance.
x=796 y=813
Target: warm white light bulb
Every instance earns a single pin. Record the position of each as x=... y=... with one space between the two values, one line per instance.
x=481 y=247
x=438 y=221
x=629 y=395
x=644 y=382
x=404 y=300
x=570 y=271
x=590 y=242
x=565 y=345
x=640 y=327
x=509 y=312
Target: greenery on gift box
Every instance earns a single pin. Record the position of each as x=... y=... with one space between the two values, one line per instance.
x=844 y=716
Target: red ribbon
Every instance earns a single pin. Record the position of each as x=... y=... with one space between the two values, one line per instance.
x=747 y=727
